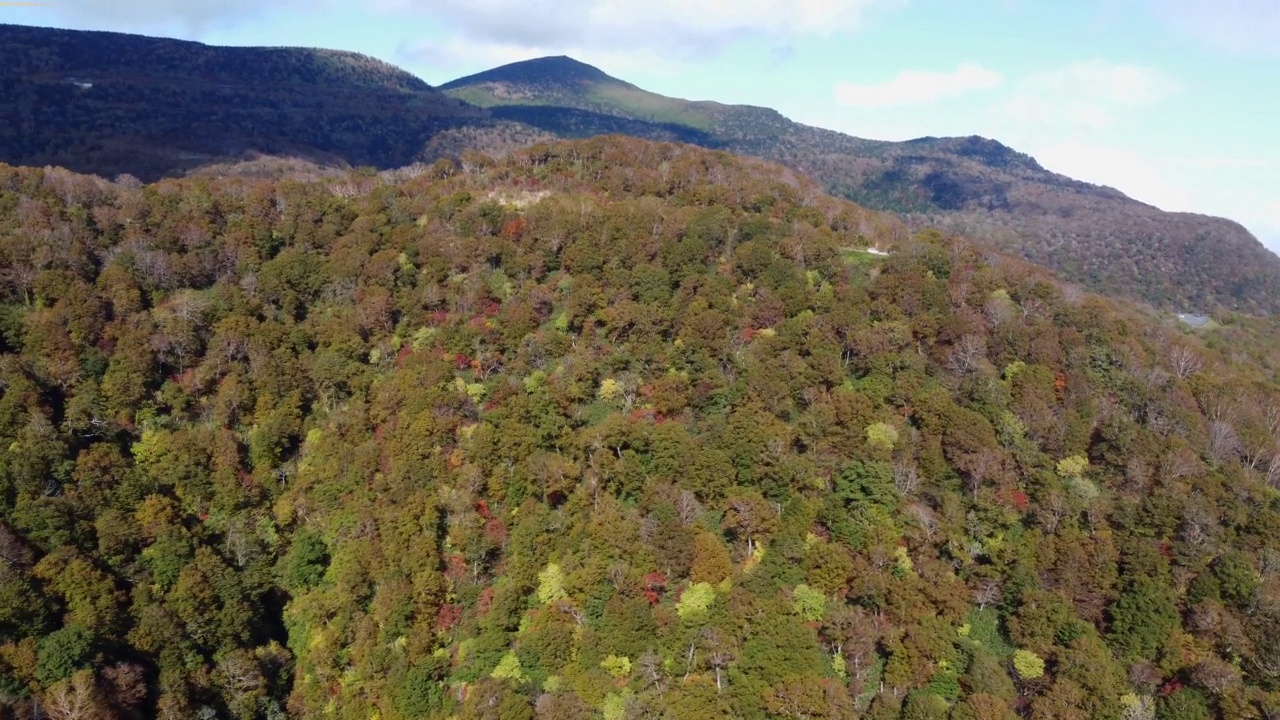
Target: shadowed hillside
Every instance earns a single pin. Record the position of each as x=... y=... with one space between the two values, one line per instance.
x=109 y=103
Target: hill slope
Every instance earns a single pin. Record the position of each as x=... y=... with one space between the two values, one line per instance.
x=109 y=103
x=607 y=428
x=1093 y=235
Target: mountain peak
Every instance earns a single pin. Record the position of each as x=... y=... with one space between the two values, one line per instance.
x=551 y=70
x=987 y=151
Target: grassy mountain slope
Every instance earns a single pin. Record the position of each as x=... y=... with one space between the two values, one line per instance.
x=1090 y=234
x=109 y=103
x=614 y=429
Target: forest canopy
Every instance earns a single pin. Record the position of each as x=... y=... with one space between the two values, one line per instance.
x=607 y=429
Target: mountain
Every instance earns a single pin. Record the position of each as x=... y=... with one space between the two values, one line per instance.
x=110 y=103
x=1090 y=234
x=544 y=92
x=608 y=428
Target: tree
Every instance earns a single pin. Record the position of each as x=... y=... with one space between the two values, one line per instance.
x=1072 y=467
x=1184 y=361
x=695 y=600
x=809 y=699
x=751 y=518
x=492 y=700
x=1028 y=665
x=882 y=436
x=1185 y=704
x=983 y=707
x=828 y=567
x=509 y=668
x=242 y=683
x=810 y=604
x=863 y=486
x=987 y=675
x=423 y=691
x=1063 y=701
x=551 y=584
x=24 y=610
x=76 y=698
x=921 y=705
x=1142 y=618
x=711 y=562
x=305 y=564
x=125 y=684
x=62 y=652
x=1087 y=661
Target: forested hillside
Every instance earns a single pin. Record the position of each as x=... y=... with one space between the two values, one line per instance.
x=607 y=429
x=111 y=104
x=974 y=186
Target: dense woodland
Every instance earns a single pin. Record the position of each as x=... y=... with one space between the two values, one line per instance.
x=607 y=429
x=975 y=186
x=111 y=104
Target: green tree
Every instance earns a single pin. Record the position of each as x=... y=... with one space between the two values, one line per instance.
x=62 y=652
x=810 y=604
x=304 y=566
x=921 y=705
x=882 y=436
x=695 y=600
x=1028 y=665
x=987 y=675
x=551 y=584
x=1142 y=618
x=423 y=690
x=90 y=595
x=1186 y=704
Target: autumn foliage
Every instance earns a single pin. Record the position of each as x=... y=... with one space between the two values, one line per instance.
x=662 y=443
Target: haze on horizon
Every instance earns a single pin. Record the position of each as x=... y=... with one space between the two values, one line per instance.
x=1170 y=101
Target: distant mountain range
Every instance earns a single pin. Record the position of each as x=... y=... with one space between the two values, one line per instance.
x=110 y=103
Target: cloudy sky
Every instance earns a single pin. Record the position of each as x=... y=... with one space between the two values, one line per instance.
x=1175 y=102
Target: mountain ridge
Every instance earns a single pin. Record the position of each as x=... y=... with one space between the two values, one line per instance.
x=1092 y=234
x=561 y=65
x=109 y=103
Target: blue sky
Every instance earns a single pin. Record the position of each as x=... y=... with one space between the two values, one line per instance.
x=1175 y=102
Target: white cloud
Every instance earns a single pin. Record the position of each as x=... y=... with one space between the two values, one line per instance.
x=673 y=26
x=190 y=18
x=439 y=61
x=1125 y=170
x=1267 y=226
x=678 y=27
x=914 y=87
x=1248 y=207
x=1238 y=27
x=1088 y=94
x=1224 y=162
x=1195 y=183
